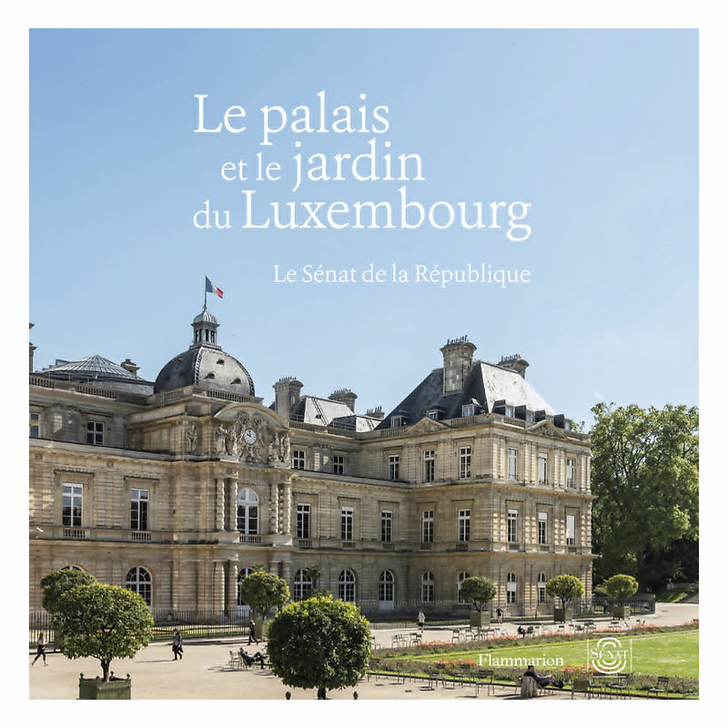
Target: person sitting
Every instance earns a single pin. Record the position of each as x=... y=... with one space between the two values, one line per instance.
x=249 y=660
x=542 y=680
x=259 y=657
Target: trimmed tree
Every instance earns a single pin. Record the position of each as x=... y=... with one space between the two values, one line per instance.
x=54 y=586
x=566 y=587
x=103 y=621
x=319 y=643
x=478 y=591
x=263 y=592
x=621 y=587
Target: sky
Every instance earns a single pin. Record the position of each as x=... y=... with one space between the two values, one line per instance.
x=596 y=129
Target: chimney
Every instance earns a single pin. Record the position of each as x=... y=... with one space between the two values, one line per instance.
x=130 y=366
x=457 y=357
x=515 y=363
x=31 y=349
x=344 y=395
x=377 y=413
x=288 y=394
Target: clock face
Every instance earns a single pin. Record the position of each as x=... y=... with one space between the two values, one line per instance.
x=250 y=436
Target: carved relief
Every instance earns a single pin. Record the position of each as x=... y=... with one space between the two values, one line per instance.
x=252 y=438
x=191 y=438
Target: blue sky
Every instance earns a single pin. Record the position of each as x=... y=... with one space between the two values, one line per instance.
x=597 y=129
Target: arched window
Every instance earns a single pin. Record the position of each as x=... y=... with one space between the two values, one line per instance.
x=347 y=586
x=139 y=581
x=462 y=576
x=246 y=571
x=541 y=587
x=302 y=585
x=427 y=588
x=386 y=586
x=248 y=505
x=511 y=588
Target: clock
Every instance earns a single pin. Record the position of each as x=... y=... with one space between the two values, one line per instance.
x=250 y=436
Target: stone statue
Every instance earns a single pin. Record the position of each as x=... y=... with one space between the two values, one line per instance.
x=191 y=437
x=220 y=435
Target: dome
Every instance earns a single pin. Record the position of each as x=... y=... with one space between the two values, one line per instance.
x=205 y=364
x=208 y=367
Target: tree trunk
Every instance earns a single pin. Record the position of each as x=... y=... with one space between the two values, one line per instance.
x=105 y=664
x=322 y=694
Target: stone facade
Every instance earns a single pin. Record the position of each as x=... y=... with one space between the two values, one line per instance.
x=178 y=492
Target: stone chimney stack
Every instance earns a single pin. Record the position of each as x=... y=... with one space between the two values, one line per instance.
x=377 y=413
x=515 y=363
x=457 y=357
x=346 y=396
x=288 y=394
x=31 y=350
x=130 y=366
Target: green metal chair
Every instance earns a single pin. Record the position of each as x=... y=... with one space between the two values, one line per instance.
x=581 y=685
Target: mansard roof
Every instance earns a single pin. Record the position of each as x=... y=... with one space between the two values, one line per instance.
x=485 y=383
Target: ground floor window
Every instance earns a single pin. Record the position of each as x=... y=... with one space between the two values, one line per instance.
x=386 y=586
x=428 y=588
x=302 y=585
x=139 y=581
x=347 y=586
x=512 y=588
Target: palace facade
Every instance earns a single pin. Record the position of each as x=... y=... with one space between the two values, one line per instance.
x=177 y=488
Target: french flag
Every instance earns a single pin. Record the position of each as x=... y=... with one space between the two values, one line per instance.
x=209 y=288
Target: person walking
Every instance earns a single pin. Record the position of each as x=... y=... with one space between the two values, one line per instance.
x=177 y=645
x=421 y=621
x=499 y=615
x=40 y=650
x=251 y=636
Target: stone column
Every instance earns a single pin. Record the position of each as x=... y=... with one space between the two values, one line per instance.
x=231 y=492
x=219 y=504
x=287 y=504
x=218 y=585
x=231 y=585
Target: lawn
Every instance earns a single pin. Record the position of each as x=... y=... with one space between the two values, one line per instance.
x=668 y=653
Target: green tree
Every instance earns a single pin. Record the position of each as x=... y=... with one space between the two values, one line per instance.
x=621 y=587
x=319 y=643
x=645 y=477
x=104 y=622
x=478 y=591
x=566 y=587
x=54 y=586
x=263 y=591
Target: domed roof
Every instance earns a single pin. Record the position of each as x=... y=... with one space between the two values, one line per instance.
x=208 y=367
x=205 y=364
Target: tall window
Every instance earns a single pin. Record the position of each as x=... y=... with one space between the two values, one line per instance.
x=299 y=459
x=512 y=536
x=468 y=410
x=570 y=529
x=542 y=466
x=139 y=581
x=570 y=469
x=428 y=526
x=248 y=504
x=303 y=520
x=72 y=505
x=397 y=421
x=34 y=424
x=394 y=467
x=543 y=522
x=464 y=524
x=511 y=588
x=429 y=466
x=427 y=583
x=465 y=454
x=462 y=576
x=347 y=524
x=512 y=463
x=541 y=588
x=386 y=586
x=386 y=525
x=139 y=509
x=347 y=586
x=95 y=433
x=302 y=585
x=432 y=414
x=338 y=461
x=246 y=571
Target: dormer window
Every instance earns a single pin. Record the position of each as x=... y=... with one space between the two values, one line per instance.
x=210 y=376
x=397 y=420
x=432 y=414
x=468 y=410
x=510 y=411
x=220 y=361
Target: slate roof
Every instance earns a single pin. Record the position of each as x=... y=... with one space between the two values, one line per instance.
x=93 y=366
x=486 y=384
x=321 y=411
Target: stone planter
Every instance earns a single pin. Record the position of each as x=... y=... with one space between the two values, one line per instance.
x=479 y=619
x=562 y=615
x=620 y=612
x=95 y=688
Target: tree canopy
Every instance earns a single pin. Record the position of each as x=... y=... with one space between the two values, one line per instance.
x=104 y=622
x=621 y=587
x=566 y=587
x=478 y=591
x=645 y=476
x=263 y=591
x=319 y=643
x=57 y=583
